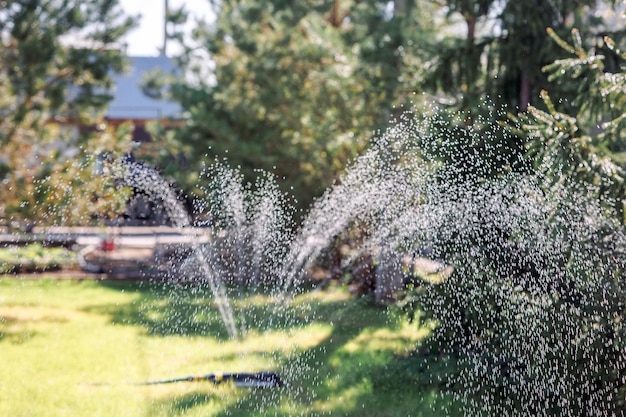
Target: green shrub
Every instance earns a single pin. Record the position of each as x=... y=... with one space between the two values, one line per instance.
x=35 y=258
x=531 y=320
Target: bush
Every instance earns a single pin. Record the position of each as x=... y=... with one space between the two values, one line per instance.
x=35 y=258
x=533 y=313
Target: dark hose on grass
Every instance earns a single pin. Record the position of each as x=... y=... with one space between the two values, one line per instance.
x=252 y=380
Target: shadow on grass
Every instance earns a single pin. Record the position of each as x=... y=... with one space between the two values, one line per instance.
x=16 y=324
x=165 y=309
x=342 y=374
x=190 y=310
x=331 y=379
x=11 y=332
x=181 y=404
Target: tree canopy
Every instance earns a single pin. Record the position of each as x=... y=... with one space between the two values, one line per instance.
x=298 y=89
x=56 y=61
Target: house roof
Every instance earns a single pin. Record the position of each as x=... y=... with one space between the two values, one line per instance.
x=129 y=101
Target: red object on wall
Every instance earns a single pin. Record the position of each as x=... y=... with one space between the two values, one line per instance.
x=107 y=245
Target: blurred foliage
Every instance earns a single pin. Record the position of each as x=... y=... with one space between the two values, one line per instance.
x=488 y=57
x=56 y=61
x=87 y=188
x=296 y=89
x=529 y=322
x=530 y=319
x=35 y=258
x=293 y=89
x=490 y=49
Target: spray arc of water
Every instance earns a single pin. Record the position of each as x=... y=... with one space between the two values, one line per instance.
x=534 y=303
x=150 y=182
x=536 y=289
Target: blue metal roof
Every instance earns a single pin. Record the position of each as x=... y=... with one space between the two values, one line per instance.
x=130 y=102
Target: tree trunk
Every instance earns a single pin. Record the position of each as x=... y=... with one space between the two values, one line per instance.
x=471 y=29
x=524 y=92
x=399 y=7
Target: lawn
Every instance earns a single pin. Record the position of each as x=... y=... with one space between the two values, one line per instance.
x=71 y=348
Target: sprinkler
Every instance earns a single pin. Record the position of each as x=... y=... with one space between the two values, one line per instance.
x=251 y=380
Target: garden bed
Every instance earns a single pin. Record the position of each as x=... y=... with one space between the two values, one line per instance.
x=35 y=258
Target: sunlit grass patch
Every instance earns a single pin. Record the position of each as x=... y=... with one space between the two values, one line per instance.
x=81 y=348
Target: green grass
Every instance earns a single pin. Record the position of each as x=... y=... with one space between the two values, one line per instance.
x=73 y=348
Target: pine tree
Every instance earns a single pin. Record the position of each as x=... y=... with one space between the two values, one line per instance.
x=297 y=88
x=500 y=49
x=582 y=140
x=489 y=57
